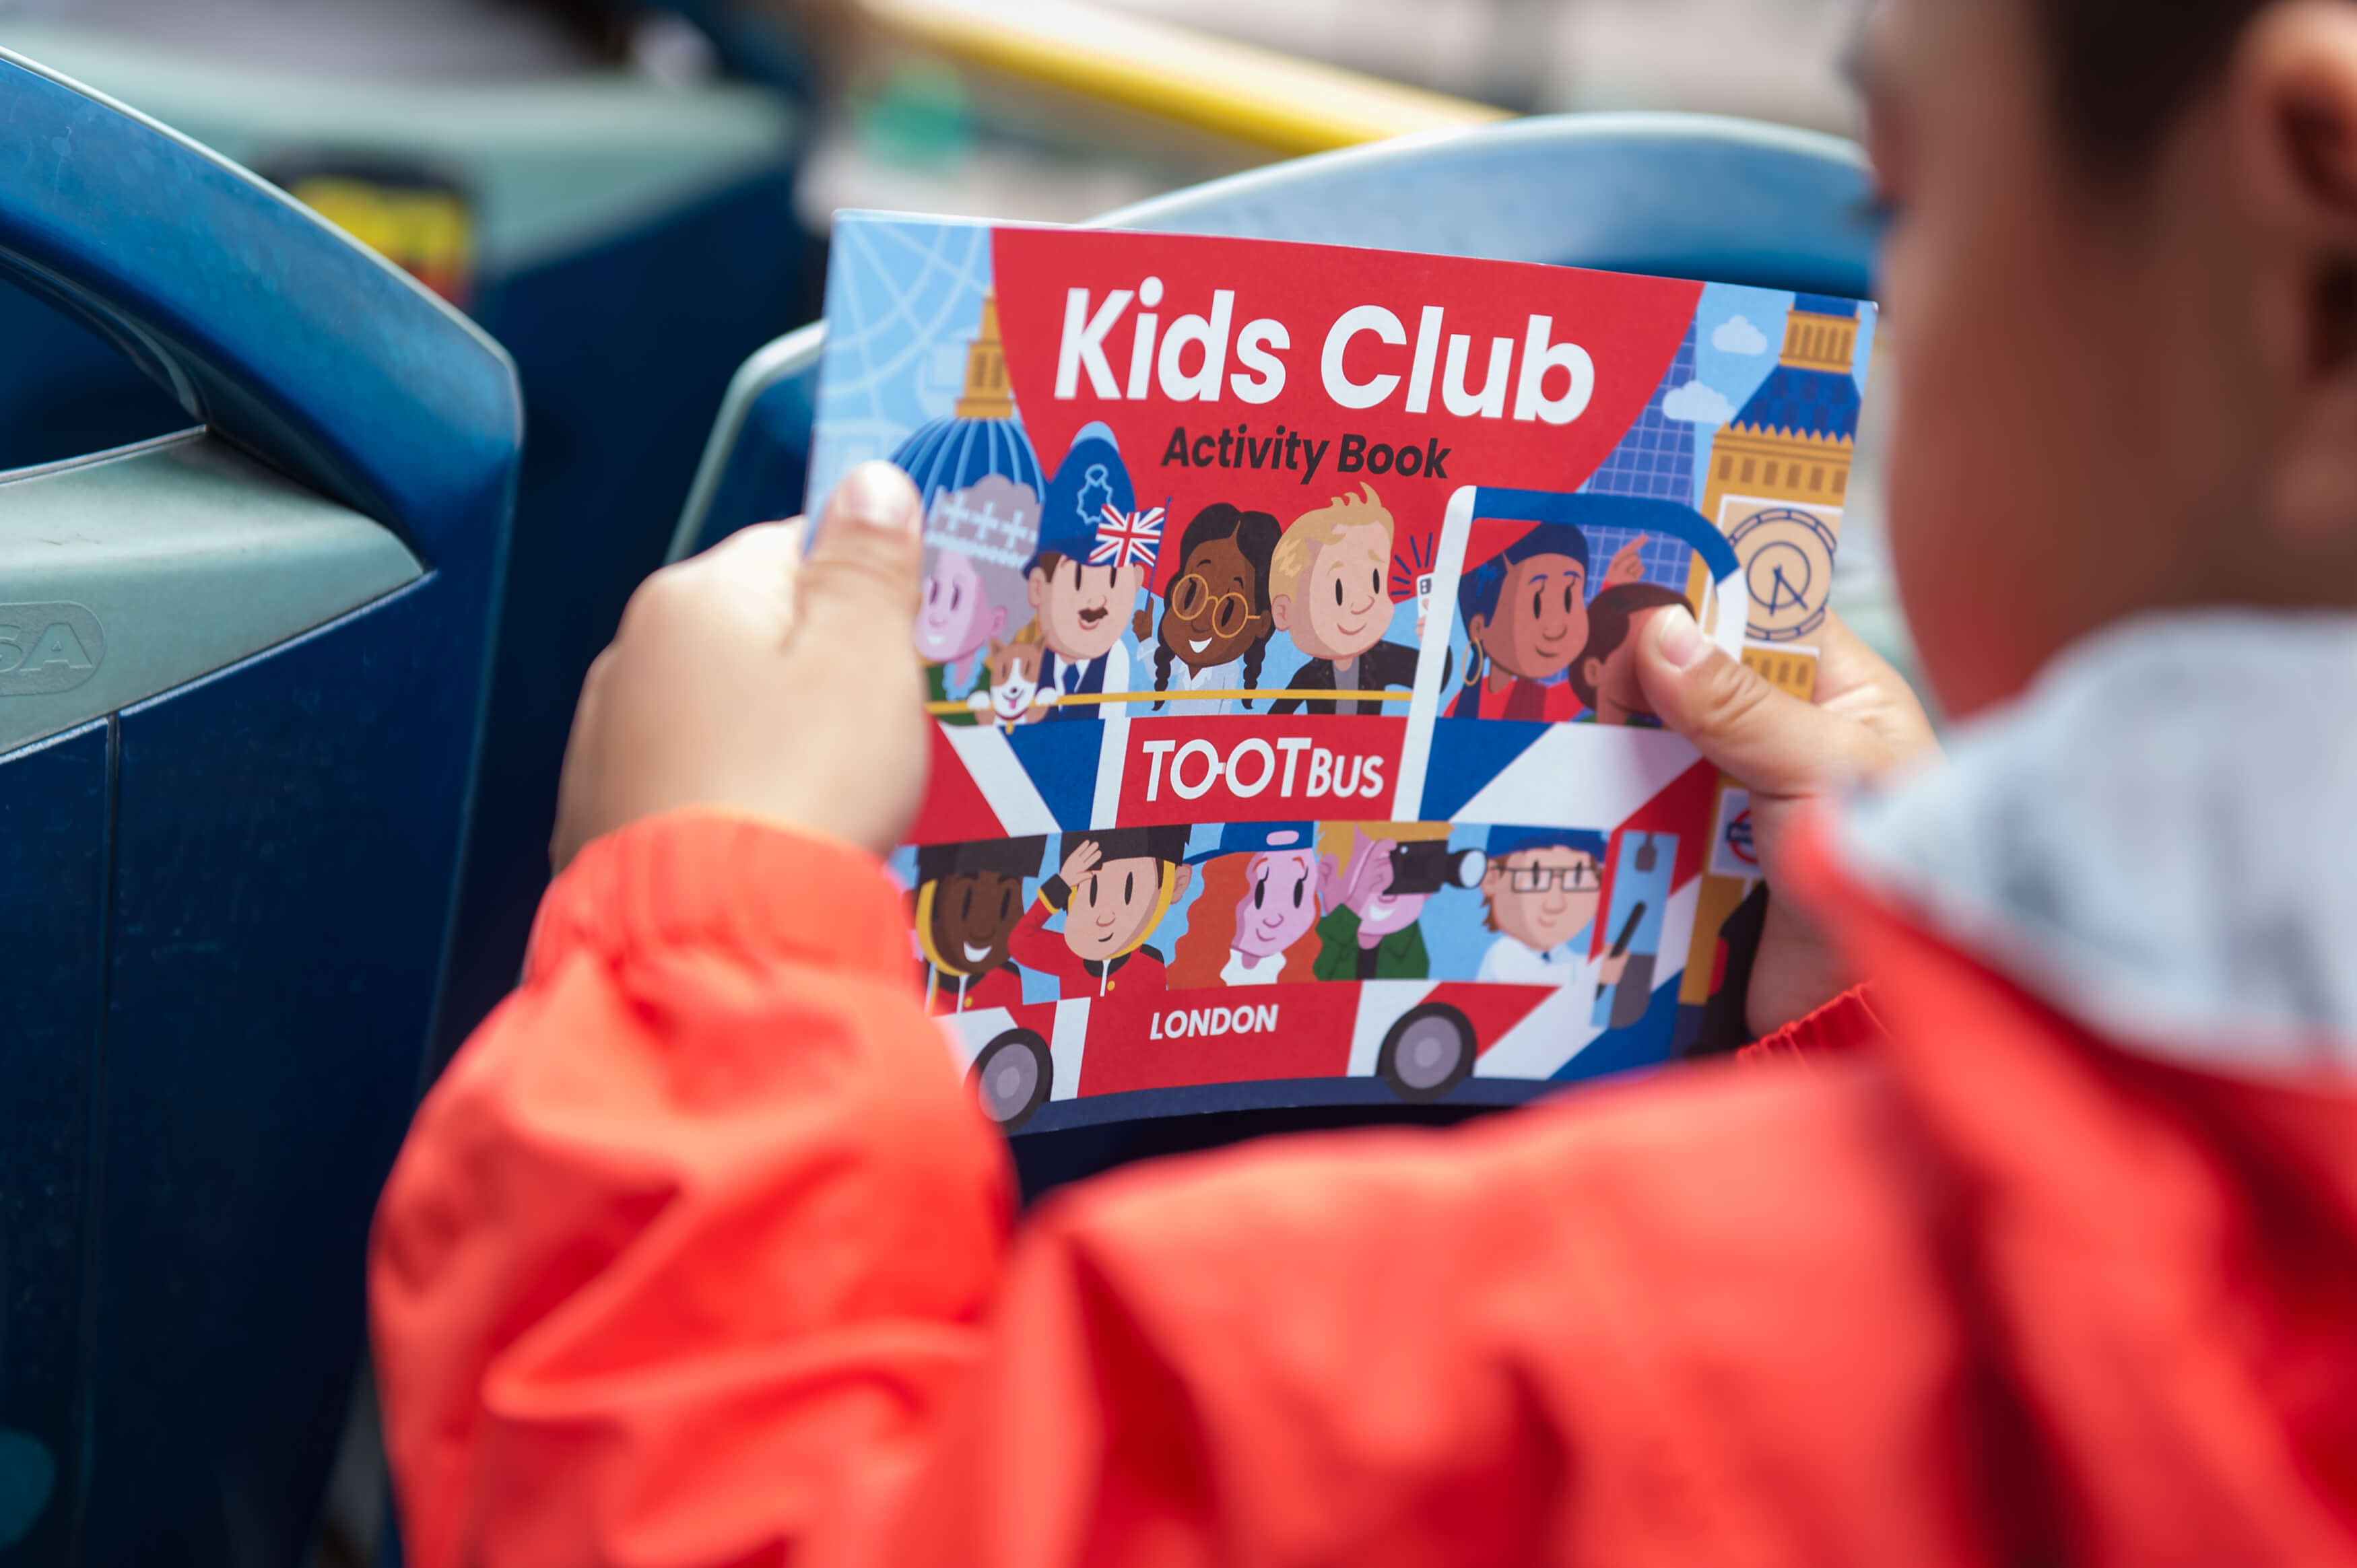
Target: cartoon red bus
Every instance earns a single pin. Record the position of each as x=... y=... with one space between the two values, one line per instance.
x=1130 y=1049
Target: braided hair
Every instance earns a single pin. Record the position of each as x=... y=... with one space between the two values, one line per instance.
x=1161 y=667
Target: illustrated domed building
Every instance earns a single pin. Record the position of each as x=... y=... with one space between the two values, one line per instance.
x=981 y=435
x=982 y=488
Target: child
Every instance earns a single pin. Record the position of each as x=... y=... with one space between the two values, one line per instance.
x=1604 y=676
x=1326 y=591
x=2046 y=1251
x=1249 y=924
x=1525 y=614
x=1215 y=619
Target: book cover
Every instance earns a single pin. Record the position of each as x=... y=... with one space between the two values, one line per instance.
x=1278 y=615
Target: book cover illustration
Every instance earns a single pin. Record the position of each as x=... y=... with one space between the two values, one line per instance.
x=1278 y=615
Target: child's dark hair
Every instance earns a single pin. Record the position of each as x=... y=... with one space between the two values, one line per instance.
x=2121 y=71
x=1609 y=615
x=1255 y=534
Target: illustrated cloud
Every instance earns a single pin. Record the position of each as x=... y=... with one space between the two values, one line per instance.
x=1697 y=403
x=1737 y=335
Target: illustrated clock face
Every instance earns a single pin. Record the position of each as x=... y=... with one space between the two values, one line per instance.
x=1788 y=563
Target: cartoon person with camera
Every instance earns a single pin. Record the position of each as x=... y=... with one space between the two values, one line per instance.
x=1374 y=879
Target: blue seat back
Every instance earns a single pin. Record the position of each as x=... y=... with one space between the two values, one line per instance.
x=224 y=906
x=1668 y=194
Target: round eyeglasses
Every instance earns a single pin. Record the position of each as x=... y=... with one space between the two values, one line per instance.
x=1191 y=593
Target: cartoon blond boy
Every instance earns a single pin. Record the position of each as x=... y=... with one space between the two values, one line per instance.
x=1325 y=592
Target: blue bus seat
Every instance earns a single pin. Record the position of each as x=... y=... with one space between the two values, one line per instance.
x=1670 y=195
x=243 y=671
x=628 y=242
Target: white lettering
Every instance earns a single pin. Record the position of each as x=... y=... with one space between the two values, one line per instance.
x=1539 y=357
x=1427 y=346
x=1254 y=357
x=1204 y=385
x=1373 y=784
x=1141 y=356
x=1321 y=772
x=1293 y=745
x=1490 y=404
x=1178 y=785
x=1083 y=344
x=1203 y=1023
x=1360 y=319
x=1157 y=750
x=1252 y=747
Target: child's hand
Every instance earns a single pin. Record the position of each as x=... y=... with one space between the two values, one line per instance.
x=756 y=680
x=1864 y=722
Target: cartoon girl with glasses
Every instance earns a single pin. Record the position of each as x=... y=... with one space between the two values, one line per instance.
x=1215 y=617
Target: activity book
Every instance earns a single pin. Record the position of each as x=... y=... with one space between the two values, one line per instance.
x=1278 y=614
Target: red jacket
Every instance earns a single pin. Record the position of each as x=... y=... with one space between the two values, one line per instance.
x=699 y=1254
x=999 y=987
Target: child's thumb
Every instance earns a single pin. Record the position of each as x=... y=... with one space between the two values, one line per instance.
x=858 y=588
x=1767 y=737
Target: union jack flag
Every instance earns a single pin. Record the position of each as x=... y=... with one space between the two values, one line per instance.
x=1128 y=538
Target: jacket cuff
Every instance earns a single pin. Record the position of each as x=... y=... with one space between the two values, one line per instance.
x=1847 y=1023
x=699 y=878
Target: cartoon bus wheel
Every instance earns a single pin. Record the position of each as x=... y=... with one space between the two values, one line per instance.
x=1427 y=1053
x=1012 y=1078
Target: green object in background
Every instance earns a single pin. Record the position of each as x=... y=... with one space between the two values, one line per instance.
x=918 y=115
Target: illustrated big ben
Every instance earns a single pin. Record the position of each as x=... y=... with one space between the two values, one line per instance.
x=1778 y=483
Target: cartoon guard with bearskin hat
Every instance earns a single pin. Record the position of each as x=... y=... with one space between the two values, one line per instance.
x=1114 y=888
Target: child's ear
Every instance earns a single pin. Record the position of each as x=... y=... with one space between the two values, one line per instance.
x=1592 y=671
x=2293 y=104
x=1280 y=610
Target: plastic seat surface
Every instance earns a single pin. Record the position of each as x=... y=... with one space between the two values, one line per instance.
x=225 y=903
x=629 y=243
x=1670 y=195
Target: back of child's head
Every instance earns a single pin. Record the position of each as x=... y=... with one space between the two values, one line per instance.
x=2121 y=284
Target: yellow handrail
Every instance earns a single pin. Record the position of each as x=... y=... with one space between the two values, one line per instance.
x=1288 y=105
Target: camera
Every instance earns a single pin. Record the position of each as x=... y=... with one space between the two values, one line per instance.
x=1428 y=865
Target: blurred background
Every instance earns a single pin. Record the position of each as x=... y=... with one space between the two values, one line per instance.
x=635 y=198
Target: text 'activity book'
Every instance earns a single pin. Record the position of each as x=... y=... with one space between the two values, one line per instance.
x=1279 y=611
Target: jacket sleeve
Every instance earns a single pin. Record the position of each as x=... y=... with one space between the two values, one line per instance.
x=1846 y=1024
x=699 y=1216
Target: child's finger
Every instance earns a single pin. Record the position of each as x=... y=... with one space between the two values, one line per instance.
x=1764 y=735
x=858 y=588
